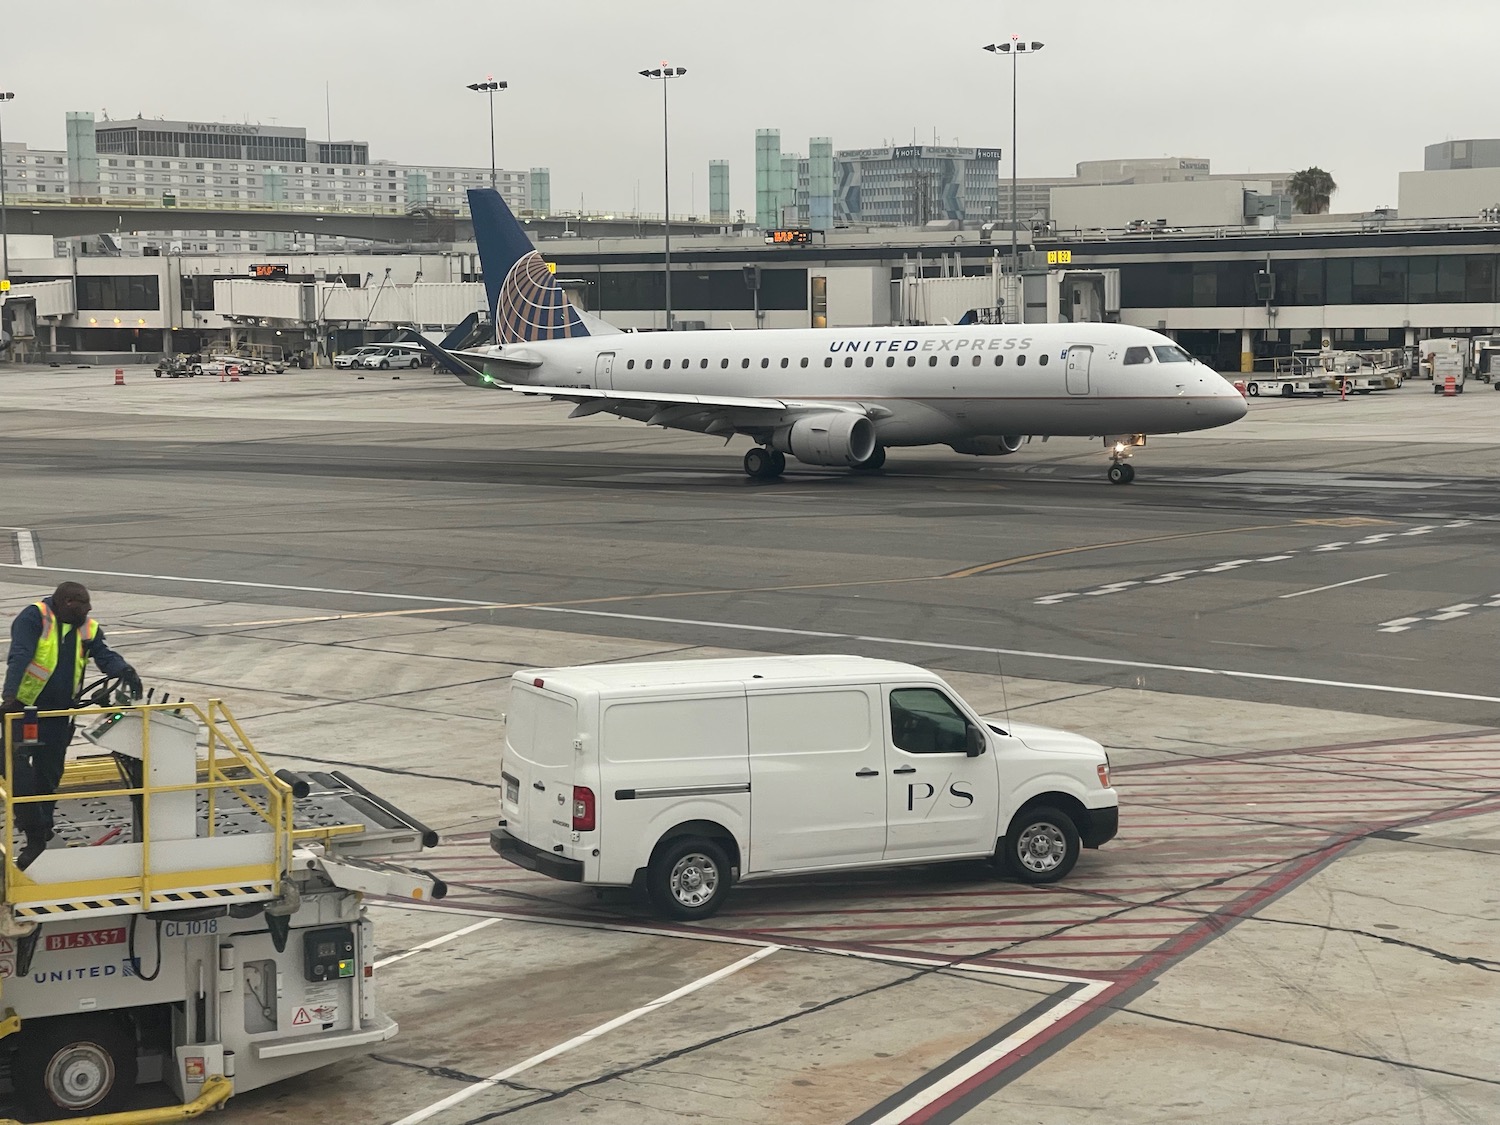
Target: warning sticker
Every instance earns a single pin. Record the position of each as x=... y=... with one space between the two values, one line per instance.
x=7 y=970
x=318 y=1013
x=302 y=1018
x=6 y=946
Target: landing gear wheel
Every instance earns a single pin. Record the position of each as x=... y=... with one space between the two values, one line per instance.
x=1254 y=390
x=1121 y=473
x=1042 y=845
x=876 y=460
x=688 y=878
x=74 y=1066
x=764 y=464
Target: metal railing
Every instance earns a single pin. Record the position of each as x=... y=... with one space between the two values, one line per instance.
x=227 y=769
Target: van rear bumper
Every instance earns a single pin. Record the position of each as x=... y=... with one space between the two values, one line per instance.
x=534 y=859
x=1100 y=826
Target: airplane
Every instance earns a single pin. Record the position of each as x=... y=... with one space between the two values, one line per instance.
x=835 y=397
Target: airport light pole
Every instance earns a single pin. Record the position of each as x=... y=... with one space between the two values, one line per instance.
x=662 y=74
x=5 y=96
x=1015 y=49
x=489 y=86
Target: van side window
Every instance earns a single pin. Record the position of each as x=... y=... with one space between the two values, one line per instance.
x=924 y=721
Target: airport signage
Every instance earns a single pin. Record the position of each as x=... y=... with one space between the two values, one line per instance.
x=1059 y=257
x=1192 y=165
x=788 y=237
x=269 y=271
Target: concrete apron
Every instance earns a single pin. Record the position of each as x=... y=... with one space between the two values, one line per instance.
x=1296 y=923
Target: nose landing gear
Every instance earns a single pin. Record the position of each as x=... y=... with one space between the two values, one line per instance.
x=1121 y=471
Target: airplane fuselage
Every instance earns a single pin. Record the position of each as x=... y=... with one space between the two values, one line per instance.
x=921 y=386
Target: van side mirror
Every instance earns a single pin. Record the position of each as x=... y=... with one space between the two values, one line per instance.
x=975 y=745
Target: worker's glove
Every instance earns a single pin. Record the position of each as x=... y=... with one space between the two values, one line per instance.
x=132 y=681
x=11 y=707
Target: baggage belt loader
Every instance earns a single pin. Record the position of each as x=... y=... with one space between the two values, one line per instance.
x=197 y=921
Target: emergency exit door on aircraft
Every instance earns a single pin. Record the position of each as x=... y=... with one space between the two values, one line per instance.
x=604 y=369
x=1079 y=356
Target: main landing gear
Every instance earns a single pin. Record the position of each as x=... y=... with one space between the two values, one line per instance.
x=1121 y=471
x=764 y=464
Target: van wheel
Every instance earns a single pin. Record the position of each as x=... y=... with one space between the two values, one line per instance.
x=1042 y=845
x=74 y=1066
x=688 y=878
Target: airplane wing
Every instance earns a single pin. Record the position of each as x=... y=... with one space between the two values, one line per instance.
x=710 y=414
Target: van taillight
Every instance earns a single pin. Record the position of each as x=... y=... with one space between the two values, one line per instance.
x=583 y=809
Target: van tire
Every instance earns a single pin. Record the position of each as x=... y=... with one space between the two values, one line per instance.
x=74 y=1066
x=688 y=878
x=1042 y=845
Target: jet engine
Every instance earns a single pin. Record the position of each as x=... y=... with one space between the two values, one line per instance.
x=989 y=446
x=835 y=438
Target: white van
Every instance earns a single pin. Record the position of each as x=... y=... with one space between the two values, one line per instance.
x=691 y=775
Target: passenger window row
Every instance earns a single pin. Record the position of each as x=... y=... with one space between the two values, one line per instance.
x=890 y=361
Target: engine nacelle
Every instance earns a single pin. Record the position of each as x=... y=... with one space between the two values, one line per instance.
x=836 y=438
x=988 y=446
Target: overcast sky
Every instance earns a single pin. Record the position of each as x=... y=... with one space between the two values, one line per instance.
x=1355 y=86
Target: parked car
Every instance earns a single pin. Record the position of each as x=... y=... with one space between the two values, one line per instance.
x=352 y=357
x=393 y=355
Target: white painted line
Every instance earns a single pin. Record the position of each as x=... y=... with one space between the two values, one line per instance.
x=26 y=549
x=1448 y=613
x=978 y=1063
x=393 y=958
x=1053 y=599
x=987 y=650
x=1336 y=585
x=252 y=585
x=1399 y=625
x=735 y=939
x=1175 y=576
x=1331 y=547
x=588 y=1036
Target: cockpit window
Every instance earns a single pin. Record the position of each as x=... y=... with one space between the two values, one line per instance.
x=1170 y=353
x=1137 y=355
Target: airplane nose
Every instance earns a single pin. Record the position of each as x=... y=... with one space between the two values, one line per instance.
x=1227 y=404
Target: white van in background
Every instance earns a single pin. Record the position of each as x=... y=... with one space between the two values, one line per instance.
x=692 y=775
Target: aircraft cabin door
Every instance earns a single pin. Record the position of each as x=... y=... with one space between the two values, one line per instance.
x=1079 y=356
x=604 y=371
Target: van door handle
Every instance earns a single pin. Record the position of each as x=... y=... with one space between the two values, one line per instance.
x=905 y=769
x=866 y=773
x=539 y=785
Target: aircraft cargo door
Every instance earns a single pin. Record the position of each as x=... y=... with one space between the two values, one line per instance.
x=604 y=371
x=1079 y=356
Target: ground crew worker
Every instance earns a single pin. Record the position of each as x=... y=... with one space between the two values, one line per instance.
x=51 y=643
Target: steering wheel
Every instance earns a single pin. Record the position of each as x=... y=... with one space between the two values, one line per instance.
x=106 y=691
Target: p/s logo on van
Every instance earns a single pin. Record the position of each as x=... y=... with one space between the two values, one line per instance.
x=925 y=793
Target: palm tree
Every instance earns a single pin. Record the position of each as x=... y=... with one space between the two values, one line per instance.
x=1311 y=190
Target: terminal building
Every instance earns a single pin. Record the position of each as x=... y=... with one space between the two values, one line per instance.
x=1227 y=274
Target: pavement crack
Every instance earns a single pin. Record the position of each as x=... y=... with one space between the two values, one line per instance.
x=1288 y=1042
x=1481 y=963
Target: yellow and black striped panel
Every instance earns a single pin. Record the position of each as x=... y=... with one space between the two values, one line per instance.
x=213 y=894
x=113 y=904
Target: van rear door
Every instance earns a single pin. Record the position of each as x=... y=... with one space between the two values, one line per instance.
x=538 y=767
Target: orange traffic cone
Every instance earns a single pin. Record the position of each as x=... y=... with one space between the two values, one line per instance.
x=119 y=376
x=234 y=373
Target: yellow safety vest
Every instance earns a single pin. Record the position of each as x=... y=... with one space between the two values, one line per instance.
x=39 y=671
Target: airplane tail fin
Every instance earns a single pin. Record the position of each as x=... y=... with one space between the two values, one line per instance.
x=526 y=303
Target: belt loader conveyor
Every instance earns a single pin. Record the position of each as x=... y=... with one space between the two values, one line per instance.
x=197 y=920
